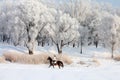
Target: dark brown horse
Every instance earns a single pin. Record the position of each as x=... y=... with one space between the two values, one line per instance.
x=58 y=63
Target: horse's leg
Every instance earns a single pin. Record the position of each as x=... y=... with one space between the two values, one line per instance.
x=49 y=66
x=53 y=66
x=59 y=66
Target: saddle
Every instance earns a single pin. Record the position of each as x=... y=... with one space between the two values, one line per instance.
x=54 y=62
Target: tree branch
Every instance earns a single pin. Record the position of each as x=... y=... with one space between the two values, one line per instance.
x=69 y=42
x=53 y=40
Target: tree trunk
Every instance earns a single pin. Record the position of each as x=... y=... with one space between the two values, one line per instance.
x=30 y=46
x=96 y=44
x=113 y=48
x=112 y=53
x=48 y=44
x=81 y=49
x=43 y=43
x=61 y=46
x=30 y=52
x=96 y=40
x=30 y=43
x=73 y=45
x=112 y=56
x=78 y=45
x=59 y=50
x=38 y=43
x=81 y=46
x=68 y=43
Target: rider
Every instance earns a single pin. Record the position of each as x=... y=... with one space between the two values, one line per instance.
x=54 y=59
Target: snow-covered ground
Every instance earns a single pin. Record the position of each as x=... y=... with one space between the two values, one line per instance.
x=42 y=72
x=94 y=66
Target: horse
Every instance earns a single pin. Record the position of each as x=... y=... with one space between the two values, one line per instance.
x=58 y=63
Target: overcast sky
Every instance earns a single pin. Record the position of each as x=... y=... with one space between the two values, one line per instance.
x=115 y=3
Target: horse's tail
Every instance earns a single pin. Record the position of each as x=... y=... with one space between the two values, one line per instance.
x=62 y=64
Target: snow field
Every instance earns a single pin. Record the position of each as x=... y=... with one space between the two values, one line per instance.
x=84 y=67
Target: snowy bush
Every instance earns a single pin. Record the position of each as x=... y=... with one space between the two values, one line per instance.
x=41 y=58
x=65 y=58
x=25 y=58
x=2 y=59
x=117 y=57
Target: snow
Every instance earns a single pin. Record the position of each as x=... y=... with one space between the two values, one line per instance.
x=108 y=69
x=37 y=72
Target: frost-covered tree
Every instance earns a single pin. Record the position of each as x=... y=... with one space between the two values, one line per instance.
x=83 y=31
x=63 y=30
x=29 y=12
x=48 y=18
x=6 y=20
x=35 y=17
x=109 y=32
x=87 y=15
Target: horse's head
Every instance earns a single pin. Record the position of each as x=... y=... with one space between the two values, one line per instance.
x=49 y=58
